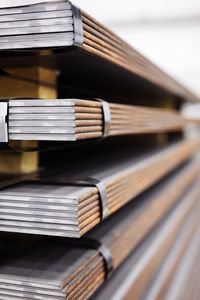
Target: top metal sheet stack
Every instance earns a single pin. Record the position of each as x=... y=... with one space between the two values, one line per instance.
x=36 y=26
x=58 y=25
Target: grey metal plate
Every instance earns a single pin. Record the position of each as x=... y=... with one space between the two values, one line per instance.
x=36 y=23
x=35 y=16
x=34 y=30
x=63 y=5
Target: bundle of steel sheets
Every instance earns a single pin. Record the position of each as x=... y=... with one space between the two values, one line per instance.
x=62 y=206
x=37 y=26
x=59 y=25
x=182 y=282
x=55 y=269
x=74 y=119
x=146 y=273
x=169 y=282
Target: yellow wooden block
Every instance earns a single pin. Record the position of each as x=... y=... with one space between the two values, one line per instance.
x=27 y=82
x=17 y=162
x=35 y=82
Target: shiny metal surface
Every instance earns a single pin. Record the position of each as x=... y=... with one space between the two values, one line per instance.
x=3 y=122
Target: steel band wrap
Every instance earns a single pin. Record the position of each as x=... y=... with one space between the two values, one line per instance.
x=3 y=122
x=91 y=243
x=106 y=117
x=78 y=26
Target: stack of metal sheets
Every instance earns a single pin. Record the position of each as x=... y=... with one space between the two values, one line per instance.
x=71 y=210
x=74 y=119
x=64 y=233
x=54 y=269
x=185 y=275
x=60 y=120
x=147 y=272
x=177 y=277
x=59 y=25
x=36 y=26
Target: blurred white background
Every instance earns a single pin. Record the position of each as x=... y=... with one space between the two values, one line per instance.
x=166 y=31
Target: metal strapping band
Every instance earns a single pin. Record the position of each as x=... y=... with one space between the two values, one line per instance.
x=106 y=117
x=78 y=26
x=104 y=251
x=91 y=243
x=3 y=122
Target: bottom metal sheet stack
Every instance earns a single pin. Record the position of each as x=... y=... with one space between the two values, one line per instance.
x=186 y=275
x=177 y=277
x=147 y=272
x=55 y=268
